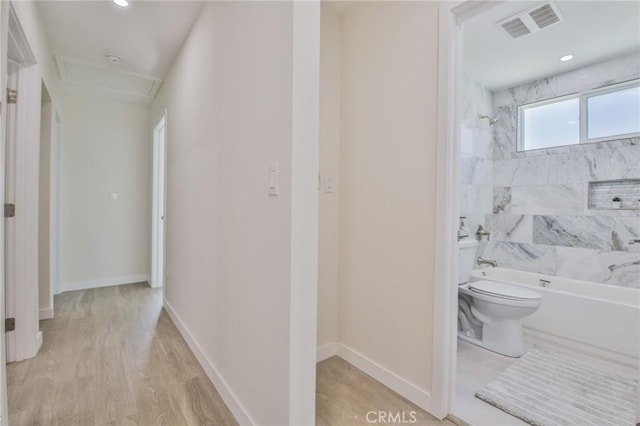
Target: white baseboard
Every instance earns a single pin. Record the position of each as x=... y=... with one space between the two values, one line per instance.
x=38 y=342
x=326 y=351
x=105 y=282
x=46 y=313
x=388 y=378
x=229 y=398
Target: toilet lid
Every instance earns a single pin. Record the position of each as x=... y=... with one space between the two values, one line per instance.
x=505 y=291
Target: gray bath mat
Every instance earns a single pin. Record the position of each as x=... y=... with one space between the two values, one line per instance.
x=545 y=389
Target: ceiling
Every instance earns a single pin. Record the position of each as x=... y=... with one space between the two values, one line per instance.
x=592 y=31
x=147 y=35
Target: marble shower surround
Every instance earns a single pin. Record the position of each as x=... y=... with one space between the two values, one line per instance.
x=476 y=157
x=540 y=220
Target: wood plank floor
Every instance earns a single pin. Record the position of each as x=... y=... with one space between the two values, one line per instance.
x=112 y=356
x=344 y=396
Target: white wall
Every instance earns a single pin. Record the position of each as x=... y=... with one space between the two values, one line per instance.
x=107 y=148
x=387 y=175
x=229 y=275
x=328 y=252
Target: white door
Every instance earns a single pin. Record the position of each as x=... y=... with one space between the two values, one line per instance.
x=10 y=196
x=157 y=220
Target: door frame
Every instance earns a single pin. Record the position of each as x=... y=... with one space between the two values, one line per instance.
x=55 y=202
x=8 y=226
x=450 y=65
x=158 y=204
x=24 y=300
x=4 y=37
x=54 y=136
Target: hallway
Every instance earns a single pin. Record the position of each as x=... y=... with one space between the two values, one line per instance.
x=112 y=356
x=116 y=95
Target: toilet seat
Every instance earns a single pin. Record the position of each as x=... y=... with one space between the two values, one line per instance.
x=503 y=291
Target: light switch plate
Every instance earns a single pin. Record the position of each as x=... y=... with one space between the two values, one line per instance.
x=113 y=196
x=328 y=185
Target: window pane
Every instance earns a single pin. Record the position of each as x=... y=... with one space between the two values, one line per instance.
x=550 y=125
x=615 y=113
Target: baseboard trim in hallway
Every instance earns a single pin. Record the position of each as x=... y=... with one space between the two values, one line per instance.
x=106 y=282
x=326 y=351
x=388 y=378
x=38 y=341
x=46 y=313
x=230 y=399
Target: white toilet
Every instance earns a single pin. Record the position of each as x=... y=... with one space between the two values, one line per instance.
x=490 y=312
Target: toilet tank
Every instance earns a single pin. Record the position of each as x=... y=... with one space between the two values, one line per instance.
x=466 y=257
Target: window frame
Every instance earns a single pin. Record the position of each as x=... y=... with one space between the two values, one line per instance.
x=583 y=114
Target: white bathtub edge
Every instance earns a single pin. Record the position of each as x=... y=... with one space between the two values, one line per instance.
x=544 y=339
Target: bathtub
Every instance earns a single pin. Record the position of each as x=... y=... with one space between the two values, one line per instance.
x=597 y=318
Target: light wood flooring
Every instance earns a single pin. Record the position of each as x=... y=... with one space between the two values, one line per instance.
x=112 y=356
x=344 y=396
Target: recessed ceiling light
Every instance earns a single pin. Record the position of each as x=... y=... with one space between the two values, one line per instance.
x=565 y=58
x=121 y=3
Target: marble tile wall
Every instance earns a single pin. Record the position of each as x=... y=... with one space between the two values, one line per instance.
x=476 y=157
x=539 y=216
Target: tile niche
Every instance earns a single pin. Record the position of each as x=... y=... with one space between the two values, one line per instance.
x=623 y=194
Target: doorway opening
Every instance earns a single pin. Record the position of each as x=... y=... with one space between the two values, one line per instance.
x=49 y=205
x=158 y=204
x=488 y=174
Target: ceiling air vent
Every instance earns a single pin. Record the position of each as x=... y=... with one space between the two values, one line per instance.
x=532 y=20
x=516 y=28
x=544 y=16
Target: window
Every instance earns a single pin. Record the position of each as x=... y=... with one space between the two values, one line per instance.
x=611 y=112
x=551 y=124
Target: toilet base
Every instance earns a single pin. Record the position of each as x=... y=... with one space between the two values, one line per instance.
x=503 y=337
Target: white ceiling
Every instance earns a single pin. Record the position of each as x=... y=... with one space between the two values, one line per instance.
x=126 y=83
x=592 y=31
x=147 y=35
